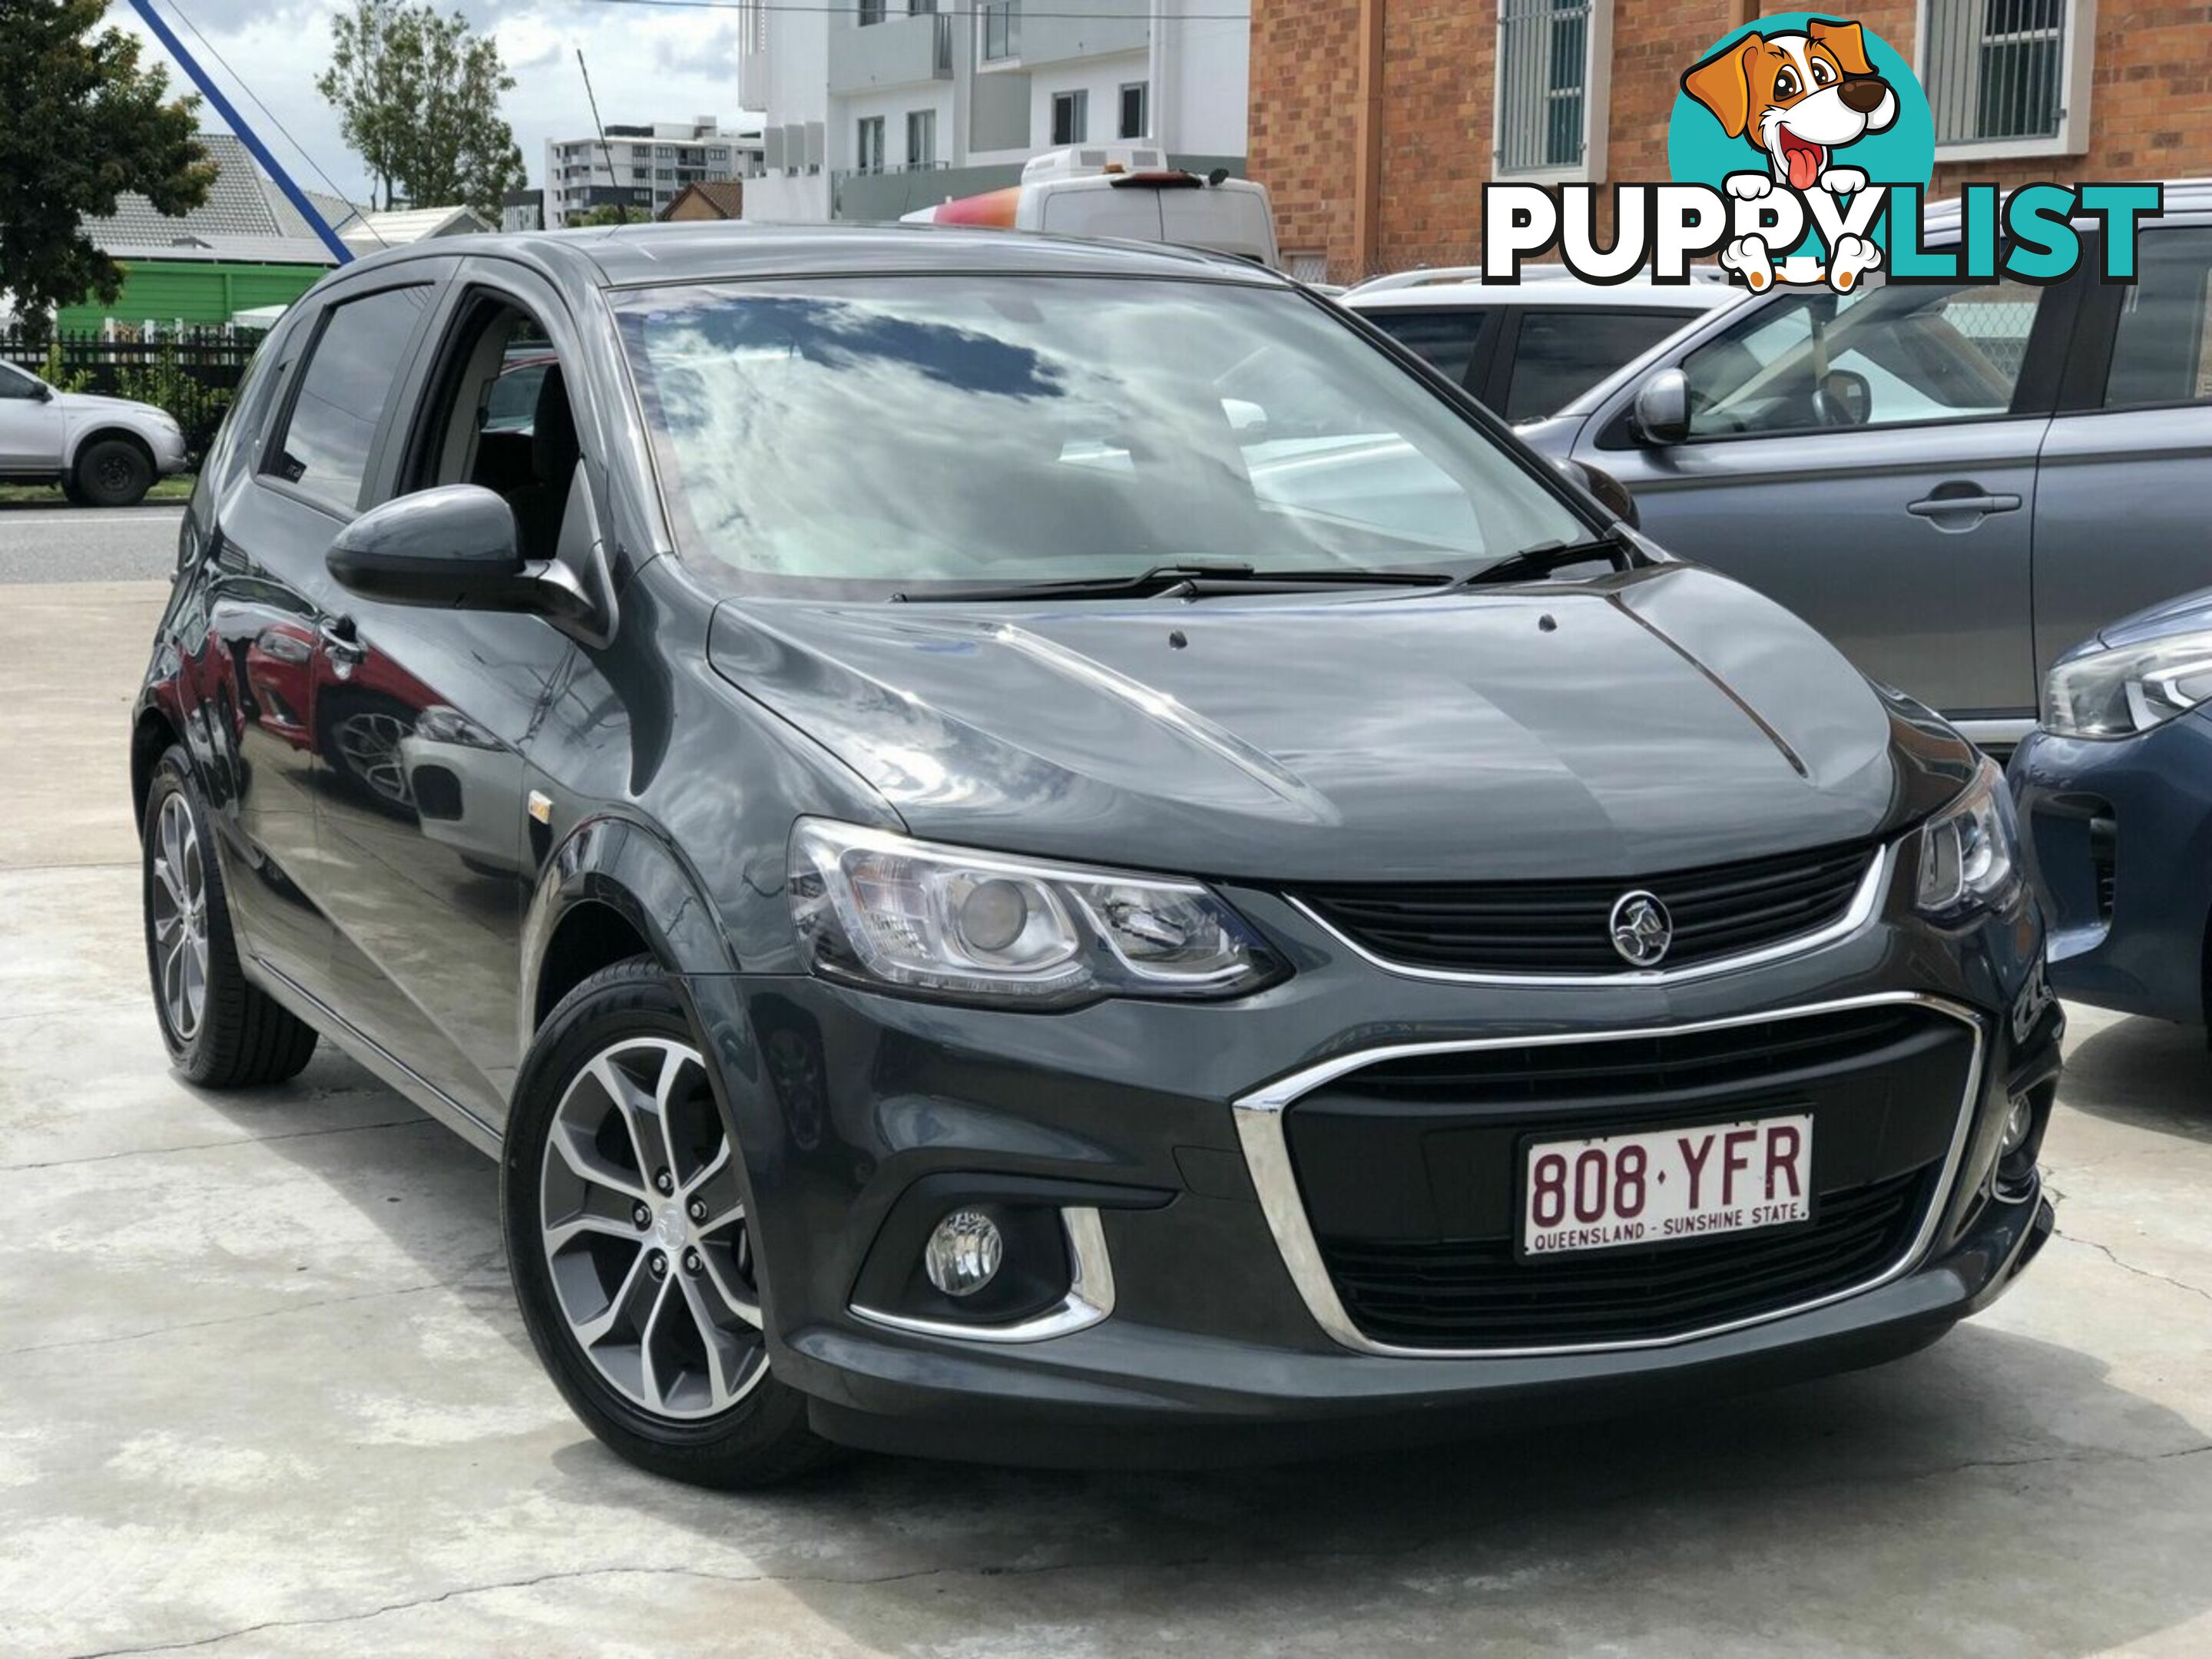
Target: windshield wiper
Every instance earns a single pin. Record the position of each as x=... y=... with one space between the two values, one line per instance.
x=1183 y=581
x=1545 y=557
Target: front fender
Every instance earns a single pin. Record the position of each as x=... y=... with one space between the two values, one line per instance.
x=630 y=866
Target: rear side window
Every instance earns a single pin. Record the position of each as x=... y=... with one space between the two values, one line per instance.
x=1446 y=340
x=1559 y=354
x=343 y=389
x=2163 y=352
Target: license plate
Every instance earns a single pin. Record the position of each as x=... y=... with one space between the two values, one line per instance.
x=1661 y=1185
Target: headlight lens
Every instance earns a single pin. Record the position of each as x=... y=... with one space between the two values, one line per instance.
x=871 y=905
x=1970 y=851
x=439 y=724
x=2130 y=689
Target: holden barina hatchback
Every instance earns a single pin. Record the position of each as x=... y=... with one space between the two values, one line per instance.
x=1060 y=853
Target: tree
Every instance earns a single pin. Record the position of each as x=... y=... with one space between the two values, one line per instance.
x=417 y=96
x=608 y=214
x=81 y=122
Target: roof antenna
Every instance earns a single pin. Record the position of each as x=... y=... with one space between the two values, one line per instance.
x=621 y=209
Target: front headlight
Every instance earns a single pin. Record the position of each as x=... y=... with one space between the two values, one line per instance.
x=1970 y=851
x=2118 y=692
x=875 y=907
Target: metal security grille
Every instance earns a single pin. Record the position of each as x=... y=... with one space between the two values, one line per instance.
x=1994 y=68
x=1543 y=79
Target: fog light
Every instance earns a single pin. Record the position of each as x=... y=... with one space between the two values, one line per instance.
x=963 y=1253
x=2019 y=1123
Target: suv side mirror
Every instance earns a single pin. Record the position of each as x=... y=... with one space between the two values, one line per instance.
x=1612 y=494
x=42 y=392
x=454 y=547
x=1662 y=411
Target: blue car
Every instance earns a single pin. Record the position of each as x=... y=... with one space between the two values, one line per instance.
x=2114 y=792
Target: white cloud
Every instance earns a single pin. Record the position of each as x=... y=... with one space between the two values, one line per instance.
x=647 y=64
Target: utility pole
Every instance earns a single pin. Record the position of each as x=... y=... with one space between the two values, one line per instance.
x=1367 y=143
x=245 y=135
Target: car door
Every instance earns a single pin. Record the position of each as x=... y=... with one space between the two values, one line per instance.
x=281 y=486
x=1868 y=460
x=430 y=712
x=30 y=423
x=2124 y=497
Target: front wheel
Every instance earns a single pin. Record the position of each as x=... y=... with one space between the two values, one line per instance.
x=113 y=472
x=628 y=1244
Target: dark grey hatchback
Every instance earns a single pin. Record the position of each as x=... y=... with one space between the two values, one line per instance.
x=1056 y=853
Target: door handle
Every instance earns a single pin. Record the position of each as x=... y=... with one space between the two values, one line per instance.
x=1940 y=506
x=341 y=640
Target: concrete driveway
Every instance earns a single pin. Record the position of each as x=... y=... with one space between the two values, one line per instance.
x=262 y=1391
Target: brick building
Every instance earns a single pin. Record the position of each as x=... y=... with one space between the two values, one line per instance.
x=1376 y=123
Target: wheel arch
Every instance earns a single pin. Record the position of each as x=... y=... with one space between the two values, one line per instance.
x=152 y=734
x=92 y=435
x=613 y=888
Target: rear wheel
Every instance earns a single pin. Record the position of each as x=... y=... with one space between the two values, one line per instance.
x=113 y=472
x=630 y=1247
x=221 y=1030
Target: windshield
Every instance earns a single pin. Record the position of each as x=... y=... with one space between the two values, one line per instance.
x=859 y=436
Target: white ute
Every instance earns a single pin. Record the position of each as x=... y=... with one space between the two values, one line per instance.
x=104 y=451
x=1123 y=190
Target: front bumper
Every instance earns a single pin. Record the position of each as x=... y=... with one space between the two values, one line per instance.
x=1216 y=1345
x=2118 y=837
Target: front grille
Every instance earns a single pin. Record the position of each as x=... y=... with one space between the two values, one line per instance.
x=1410 y=1173
x=1475 y=1295
x=1564 y=926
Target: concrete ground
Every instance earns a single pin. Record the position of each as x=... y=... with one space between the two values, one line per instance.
x=262 y=1391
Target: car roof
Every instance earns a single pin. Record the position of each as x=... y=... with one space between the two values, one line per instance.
x=1553 y=294
x=622 y=255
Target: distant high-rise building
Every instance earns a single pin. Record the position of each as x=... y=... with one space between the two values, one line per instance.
x=643 y=168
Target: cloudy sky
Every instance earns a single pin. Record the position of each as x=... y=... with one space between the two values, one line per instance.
x=647 y=63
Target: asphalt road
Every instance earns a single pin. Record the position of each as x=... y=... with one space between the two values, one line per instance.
x=264 y=1393
x=87 y=544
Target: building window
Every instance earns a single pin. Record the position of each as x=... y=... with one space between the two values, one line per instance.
x=921 y=138
x=1134 y=113
x=871 y=11
x=1002 y=30
x=868 y=152
x=1071 y=116
x=921 y=8
x=1544 y=59
x=1997 y=71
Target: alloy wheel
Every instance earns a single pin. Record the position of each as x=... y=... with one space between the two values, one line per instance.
x=645 y=1234
x=180 y=916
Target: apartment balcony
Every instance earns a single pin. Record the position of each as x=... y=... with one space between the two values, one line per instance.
x=900 y=51
x=1105 y=28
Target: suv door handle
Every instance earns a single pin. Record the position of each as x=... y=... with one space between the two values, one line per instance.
x=1940 y=506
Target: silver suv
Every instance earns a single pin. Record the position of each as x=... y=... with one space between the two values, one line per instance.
x=1954 y=483
x=104 y=451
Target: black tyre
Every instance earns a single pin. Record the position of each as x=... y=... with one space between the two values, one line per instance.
x=221 y=1031
x=76 y=496
x=629 y=1246
x=113 y=472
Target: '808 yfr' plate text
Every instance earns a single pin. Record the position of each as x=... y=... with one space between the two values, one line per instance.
x=1661 y=1185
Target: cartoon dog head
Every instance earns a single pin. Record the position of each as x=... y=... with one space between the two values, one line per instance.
x=1799 y=98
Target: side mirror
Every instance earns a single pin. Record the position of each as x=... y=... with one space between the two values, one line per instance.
x=44 y=393
x=1611 y=493
x=1662 y=411
x=454 y=547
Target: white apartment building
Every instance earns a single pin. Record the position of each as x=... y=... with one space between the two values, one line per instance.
x=875 y=106
x=643 y=168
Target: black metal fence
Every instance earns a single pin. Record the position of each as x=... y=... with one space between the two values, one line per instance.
x=192 y=373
